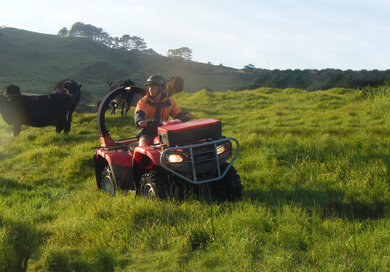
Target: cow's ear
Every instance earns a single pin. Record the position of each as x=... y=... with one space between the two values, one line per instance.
x=80 y=85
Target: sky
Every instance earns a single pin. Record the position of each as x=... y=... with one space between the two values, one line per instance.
x=269 y=34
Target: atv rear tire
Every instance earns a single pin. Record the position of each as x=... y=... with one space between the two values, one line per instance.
x=229 y=188
x=108 y=183
x=154 y=184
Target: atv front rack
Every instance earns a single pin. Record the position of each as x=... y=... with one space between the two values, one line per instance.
x=197 y=155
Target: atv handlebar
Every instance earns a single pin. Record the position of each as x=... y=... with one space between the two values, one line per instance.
x=158 y=123
x=154 y=123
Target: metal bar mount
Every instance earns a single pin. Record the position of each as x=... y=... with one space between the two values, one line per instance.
x=191 y=152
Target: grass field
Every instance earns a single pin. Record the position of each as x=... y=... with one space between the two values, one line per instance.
x=315 y=167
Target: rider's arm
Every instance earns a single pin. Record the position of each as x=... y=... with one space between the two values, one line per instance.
x=174 y=109
x=139 y=119
x=178 y=114
x=184 y=116
x=139 y=114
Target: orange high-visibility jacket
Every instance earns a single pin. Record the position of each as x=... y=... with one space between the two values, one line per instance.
x=147 y=109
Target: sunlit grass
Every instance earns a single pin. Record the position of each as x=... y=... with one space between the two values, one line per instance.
x=314 y=166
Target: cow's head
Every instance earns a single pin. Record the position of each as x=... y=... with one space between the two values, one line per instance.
x=127 y=83
x=11 y=90
x=71 y=87
x=120 y=83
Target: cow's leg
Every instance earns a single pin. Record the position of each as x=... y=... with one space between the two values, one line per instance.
x=127 y=107
x=97 y=105
x=128 y=101
x=17 y=128
x=59 y=127
x=113 y=105
x=122 y=107
x=63 y=124
x=66 y=127
x=67 y=122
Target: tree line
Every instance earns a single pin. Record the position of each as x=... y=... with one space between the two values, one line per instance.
x=324 y=79
x=125 y=42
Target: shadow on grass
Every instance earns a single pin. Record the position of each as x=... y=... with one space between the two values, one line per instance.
x=7 y=186
x=329 y=203
x=3 y=155
x=18 y=240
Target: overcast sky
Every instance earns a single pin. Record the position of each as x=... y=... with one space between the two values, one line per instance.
x=272 y=34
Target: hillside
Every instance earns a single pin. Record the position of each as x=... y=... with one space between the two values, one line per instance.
x=315 y=168
x=36 y=61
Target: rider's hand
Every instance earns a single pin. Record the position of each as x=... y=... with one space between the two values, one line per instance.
x=154 y=123
x=189 y=116
x=143 y=123
x=149 y=123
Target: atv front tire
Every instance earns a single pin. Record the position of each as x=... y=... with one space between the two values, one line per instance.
x=229 y=188
x=154 y=184
x=108 y=183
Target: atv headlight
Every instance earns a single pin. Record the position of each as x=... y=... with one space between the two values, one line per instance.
x=220 y=149
x=172 y=158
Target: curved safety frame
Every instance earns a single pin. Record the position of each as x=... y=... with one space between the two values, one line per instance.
x=190 y=147
x=103 y=106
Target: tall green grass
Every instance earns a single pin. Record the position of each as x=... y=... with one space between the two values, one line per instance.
x=380 y=100
x=314 y=166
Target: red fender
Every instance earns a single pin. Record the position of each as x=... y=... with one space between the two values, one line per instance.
x=118 y=156
x=147 y=157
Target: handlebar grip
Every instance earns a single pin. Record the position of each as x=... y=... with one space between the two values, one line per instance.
x=154 y=123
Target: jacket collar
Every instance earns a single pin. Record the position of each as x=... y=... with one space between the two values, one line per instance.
x=164 y=97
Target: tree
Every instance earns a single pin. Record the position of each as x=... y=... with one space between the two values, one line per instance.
x=92 y=32
x=63 y=32
x=80 y=29
x=182 y=52
x=77 y=30
x=116 y=43
x=125 y=42
x=106 y=39
x=138 y=43
x=249 y=67
x=150 y=51
x=89 y=31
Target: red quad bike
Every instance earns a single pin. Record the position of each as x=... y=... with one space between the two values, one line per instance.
x=185 y=158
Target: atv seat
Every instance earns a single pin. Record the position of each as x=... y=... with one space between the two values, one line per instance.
x=131 y=146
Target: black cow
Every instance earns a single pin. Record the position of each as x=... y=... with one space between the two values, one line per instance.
x=36 y=111
x=125 y=100
x=71 y=88
x=11 y=89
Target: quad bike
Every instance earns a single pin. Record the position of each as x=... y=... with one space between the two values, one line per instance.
x=185 y=159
